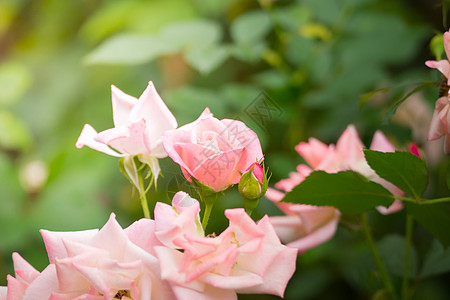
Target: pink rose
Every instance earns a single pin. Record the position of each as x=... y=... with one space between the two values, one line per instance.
x=213 y=151
x=101 y=264
x=139 y=125
x=245 y=258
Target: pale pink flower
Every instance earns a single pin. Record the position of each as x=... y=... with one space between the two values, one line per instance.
x=245 y=258
x=306 y=226
x=138 y=127
x=106 y=263
x=213 y=151
x=443 y=65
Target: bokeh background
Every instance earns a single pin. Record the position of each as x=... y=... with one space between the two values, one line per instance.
x=289 y=69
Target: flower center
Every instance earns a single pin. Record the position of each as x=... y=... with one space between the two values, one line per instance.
x=122 y=293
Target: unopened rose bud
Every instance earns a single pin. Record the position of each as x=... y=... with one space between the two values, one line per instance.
x=252 y=186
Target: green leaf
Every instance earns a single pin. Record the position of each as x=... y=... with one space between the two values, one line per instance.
x=437 y=260
x=403 y=169
x=437 y=46
x=13 y=132
x=191 y=34
x=447 y=176
x=397 y=103
x=348 y=191
x=128 y=49
x=208 y=59
x=251 y=27
x=434 y=217
x=369 y=95
x=15 y=79
x=392 y=251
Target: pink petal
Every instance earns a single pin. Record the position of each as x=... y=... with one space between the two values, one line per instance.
x=16 y=288
x=54 y=241
x=158 y=117
x=204 y=115
x=447 y=144
x=313 y=152
x=277 y=274
x=209 y=293
x=23 y=269
x=316 y=237
x=87 y=138
x=131 y=139
x=249 y=140
x=43 y=286
x=237 y=280
x=395 y=207
x=111 y=238
x=172 y=225
x=288 y=228
x=314 y=217
x=170 y=261
x=269 y=247
x=381 y=143
x=122 y=104
x=171 y=141
x=443 y=66
x=142 y=234
x=350 y=148
x=274 y=195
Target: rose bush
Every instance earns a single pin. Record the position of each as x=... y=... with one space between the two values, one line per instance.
x=213 y=152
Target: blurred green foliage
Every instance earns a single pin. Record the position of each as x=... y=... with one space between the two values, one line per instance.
x=313 y=58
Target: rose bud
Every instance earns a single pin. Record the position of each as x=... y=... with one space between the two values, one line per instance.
x=252 y=186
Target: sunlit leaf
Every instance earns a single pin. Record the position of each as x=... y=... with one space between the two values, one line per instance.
x=208 y=59
x=128 y=49
x=251 y=27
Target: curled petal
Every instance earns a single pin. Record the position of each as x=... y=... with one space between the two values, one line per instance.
x=130 y=139
x=442 y=65
x=87 y=138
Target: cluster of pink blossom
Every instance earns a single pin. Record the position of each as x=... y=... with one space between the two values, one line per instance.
x=144 y=261
x=168 y=257
x=306 y=226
